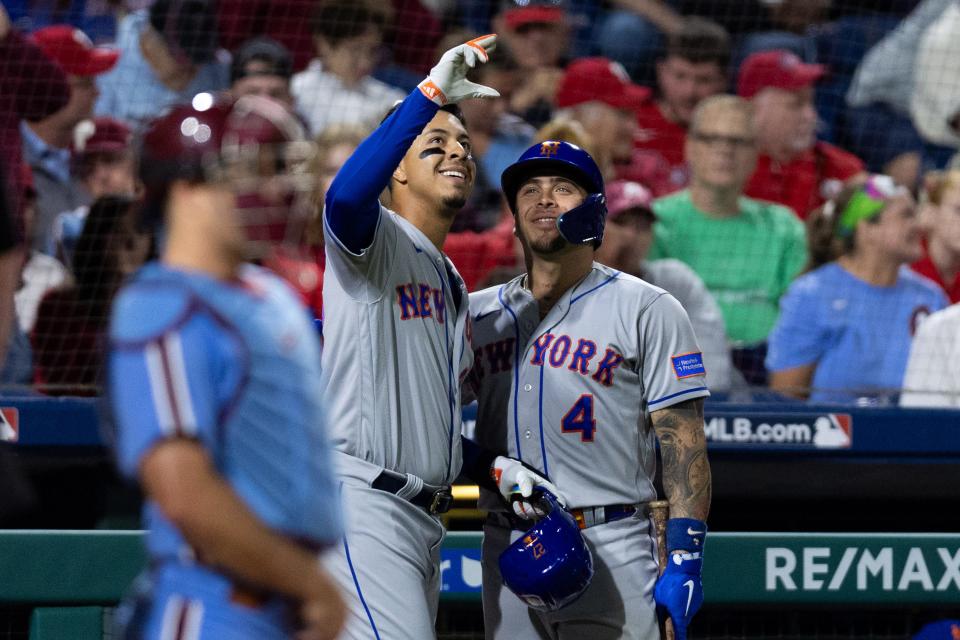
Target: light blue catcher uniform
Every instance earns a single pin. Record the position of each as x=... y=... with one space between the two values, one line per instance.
x=236 y=367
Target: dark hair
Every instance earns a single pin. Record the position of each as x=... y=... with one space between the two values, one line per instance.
x=699 y=40
x=825 y=243
x=451 y=108
x=83 y=166
x=266 y=50
x=341 y=19
x=8 y=233
x=94 y=265
x=189 y=27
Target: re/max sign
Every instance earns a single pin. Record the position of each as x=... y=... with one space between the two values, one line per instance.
x=863 y=569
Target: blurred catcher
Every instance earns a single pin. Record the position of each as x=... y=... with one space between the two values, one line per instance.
x=214 y=384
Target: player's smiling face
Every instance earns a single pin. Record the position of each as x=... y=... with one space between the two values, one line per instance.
x=439 y=166
x=540 y=201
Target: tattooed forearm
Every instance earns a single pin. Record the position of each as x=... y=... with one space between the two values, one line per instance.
x=683 y=448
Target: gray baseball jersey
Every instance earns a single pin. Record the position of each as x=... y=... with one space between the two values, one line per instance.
x=395 y=349
x=571 y=396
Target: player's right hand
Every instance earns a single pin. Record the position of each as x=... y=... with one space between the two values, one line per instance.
x=323 y=612
x=448 y=82
x=513 y=478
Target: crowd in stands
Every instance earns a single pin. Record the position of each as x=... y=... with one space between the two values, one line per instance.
x=782 y=168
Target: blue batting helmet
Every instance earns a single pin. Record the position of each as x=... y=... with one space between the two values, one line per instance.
x=550 y=565
x=582 y=224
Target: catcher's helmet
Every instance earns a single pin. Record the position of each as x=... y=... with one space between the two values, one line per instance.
x=550 y=565
x=250 y=144
x=583 y=223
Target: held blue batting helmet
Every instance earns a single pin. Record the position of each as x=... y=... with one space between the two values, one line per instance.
x=550 y=565
x=582 y=224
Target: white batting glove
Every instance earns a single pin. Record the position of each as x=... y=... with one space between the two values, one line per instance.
x=513 y=478
x=448 y=82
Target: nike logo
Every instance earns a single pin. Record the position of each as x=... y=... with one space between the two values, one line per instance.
x=481 y=316
x=689 y=585
x=691 y=532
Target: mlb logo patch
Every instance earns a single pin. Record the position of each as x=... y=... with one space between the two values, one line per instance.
x=834 y=430
x=687 y=365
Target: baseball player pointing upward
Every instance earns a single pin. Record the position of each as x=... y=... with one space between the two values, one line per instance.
x=397 y=345
x=577 y=369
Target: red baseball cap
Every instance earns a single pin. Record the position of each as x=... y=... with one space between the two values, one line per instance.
x=517 y=13
x=101 y=135
x=623 y=195
x=780 y=69
x=599 y=79
x=73 y=50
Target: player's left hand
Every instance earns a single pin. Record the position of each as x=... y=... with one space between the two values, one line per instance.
x=514 y=480
x=679 y=591
x=448 y=82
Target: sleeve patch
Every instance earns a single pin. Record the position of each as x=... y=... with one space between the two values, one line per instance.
x=687 y=365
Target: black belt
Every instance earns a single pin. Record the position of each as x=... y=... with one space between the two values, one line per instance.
x=432 y=499
x=586 y=517
x=591 y=516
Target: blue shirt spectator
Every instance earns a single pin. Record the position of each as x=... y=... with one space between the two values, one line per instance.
x=54 y=160
x=858 y=334
x=845 y=327
x=133 y=92
x=47 y=141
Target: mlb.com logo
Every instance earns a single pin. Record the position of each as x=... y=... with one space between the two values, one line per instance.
x=834 y=430
x=9 y=424
x=816 y=431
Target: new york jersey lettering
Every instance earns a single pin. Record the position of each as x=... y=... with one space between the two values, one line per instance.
x=499 y=355
x=611 y=360
x=558 y=351
x=540 y=349
x=414 y=301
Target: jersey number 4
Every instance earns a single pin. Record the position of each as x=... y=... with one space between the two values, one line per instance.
x=580 y=419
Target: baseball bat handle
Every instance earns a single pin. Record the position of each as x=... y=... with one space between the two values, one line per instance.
x=659 y=514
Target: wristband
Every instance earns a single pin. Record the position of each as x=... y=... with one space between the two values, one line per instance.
x=432 y=92
x=686 y=534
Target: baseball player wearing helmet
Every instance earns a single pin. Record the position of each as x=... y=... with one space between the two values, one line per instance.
x=214 y=383
x=396 y=348
x=578 y=368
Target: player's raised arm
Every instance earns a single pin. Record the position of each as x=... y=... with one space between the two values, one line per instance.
x=352 y=209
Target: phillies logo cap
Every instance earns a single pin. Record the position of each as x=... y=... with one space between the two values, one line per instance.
x=780 y=69
x=72 y=50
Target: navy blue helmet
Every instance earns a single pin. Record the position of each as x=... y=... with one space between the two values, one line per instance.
x=550 y=565
x=582 y=224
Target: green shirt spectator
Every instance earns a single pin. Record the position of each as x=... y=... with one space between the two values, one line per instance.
x=747 y=261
